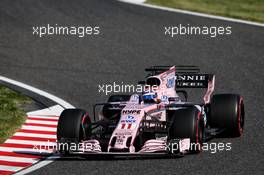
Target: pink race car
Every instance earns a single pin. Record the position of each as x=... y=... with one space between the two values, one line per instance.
x=157 y=121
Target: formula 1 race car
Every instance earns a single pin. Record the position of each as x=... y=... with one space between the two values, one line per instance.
x=158 y=120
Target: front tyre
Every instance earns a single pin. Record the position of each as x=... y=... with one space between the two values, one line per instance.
x=188 y=123
x=74 y=126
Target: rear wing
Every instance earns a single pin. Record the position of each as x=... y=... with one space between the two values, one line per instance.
x=188 y=77
x=154 y=70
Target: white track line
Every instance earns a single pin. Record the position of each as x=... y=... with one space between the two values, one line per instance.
x=37 y=166
x=134 y=1
x=24 y=134
x=38 y=91
x=52 y=111
x=18 y=159
x=43 y=117
x=56 y=111
x=29 y=142
x=40 y=128
x=140 y=3
x=41 y=122
x=10 y=168
x=24 y=150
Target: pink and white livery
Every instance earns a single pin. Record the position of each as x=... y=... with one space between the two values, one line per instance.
x=157 y=121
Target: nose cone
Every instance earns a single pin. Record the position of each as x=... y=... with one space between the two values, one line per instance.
x=120 y=144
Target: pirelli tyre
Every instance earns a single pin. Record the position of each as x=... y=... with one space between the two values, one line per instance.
x=188 y=123
x=74 y=125
x=227 y=111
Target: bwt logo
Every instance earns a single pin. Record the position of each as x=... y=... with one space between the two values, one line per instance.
x=129 y=119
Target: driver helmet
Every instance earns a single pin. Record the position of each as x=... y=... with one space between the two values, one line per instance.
x=150 y=97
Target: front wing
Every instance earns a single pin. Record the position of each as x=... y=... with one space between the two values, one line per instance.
x=151 y=148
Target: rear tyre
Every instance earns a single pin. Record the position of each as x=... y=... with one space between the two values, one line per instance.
x=227 y=112
x=74 y=125
x=188 y=123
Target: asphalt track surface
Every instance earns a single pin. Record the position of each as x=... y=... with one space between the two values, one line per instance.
x=131 y=39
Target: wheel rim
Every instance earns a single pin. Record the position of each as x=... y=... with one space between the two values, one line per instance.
x=241 y=114
x=85 y=128
x=199 y=133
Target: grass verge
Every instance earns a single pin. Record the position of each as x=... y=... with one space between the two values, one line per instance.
x=12 y=114
x=252 y=10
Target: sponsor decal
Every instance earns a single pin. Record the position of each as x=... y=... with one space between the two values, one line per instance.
x=192 y=81
x=170 y=82
x=134 y=98
x=198 y=77
x=123 y=133
x=120 y=140
x=192 y=84
x=164 y=98
x=133 y=112
x=129 y=119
